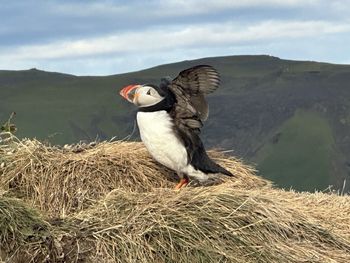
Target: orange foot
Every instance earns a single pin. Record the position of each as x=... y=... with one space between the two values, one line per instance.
x=183 y=182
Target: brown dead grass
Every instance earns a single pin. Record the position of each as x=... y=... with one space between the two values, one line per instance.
x=110 y=202
x=64 y=180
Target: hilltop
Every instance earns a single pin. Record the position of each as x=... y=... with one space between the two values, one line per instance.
x=291 y=118
x=110 y=202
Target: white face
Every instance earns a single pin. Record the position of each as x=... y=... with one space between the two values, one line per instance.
x=146 y=96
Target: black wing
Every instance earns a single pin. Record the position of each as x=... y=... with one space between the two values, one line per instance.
x=191 y=109
x=192 y=84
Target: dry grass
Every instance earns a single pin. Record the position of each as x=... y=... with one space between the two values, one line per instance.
x=110 y=202
x=64 y=180
x=24 y=235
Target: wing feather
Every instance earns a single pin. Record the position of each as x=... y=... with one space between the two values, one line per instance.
x=191 y=107
x=194 y=83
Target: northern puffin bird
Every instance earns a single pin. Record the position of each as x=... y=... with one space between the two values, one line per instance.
x=170 y=117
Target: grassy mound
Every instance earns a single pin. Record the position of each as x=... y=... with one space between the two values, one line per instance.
x=110 y=202
x=212 y=224
x=63 y=180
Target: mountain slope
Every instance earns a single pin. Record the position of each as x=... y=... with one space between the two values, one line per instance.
x=263 y=101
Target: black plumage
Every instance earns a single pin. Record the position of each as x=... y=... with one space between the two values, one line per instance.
x=191 y=109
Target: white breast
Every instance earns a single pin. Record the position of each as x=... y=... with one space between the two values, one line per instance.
x=156 y=130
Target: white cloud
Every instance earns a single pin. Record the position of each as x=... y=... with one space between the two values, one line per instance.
x=158 y=39
x=110 y=36
x=168 y=8
x=89 y=8
x=199 y=6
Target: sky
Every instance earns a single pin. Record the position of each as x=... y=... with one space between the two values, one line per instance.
x=85 y=37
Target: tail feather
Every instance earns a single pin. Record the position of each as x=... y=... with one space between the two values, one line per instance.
x=222 y=170
x=201 y=161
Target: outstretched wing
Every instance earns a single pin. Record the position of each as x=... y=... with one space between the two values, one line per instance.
x=191 y=109
x=191 y=85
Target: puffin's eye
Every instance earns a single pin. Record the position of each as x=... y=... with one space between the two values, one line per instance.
x=149 y=92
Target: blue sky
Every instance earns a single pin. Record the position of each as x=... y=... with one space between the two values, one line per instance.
x=85 y=37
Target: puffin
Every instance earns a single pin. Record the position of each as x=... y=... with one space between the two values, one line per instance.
x=170 y=117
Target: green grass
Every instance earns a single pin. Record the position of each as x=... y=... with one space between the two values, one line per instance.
x=301 y=158
x=50 y=107
x=67 y=106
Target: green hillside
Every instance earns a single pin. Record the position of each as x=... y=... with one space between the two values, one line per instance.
x=300 y=153
x=291 y=118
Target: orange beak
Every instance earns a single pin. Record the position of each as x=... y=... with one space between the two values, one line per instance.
x=128 y=92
